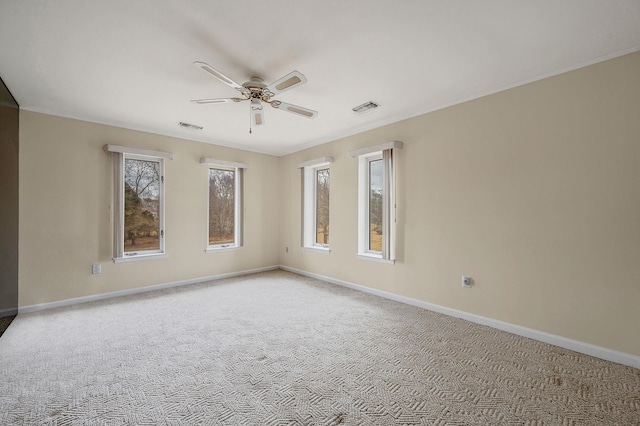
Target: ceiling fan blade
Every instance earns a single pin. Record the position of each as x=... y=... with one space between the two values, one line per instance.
x=298 y=110
x=217 y=101
x=223 y=78
x=289 y=81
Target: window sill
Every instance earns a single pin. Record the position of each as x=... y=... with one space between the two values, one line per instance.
x=139 y=258
x=220 y=249
x=375 y=258
x=317 y=249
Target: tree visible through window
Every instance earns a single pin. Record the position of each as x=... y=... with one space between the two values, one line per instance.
x=316 y=192
x=222 y=206
x=376 y=201
x=375 y=205
x=141 y=205
x=322 y=206
x=138 y=203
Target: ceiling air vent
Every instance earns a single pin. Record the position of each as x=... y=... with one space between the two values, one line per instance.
x=366 y=107
x=189 y=126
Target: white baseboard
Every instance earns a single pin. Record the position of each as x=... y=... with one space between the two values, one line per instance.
x=8 y=312
x=101 y=296
x=563 y=342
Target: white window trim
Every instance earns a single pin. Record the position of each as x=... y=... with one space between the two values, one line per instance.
x=310 y=206
x=375 y=148
x=375 y=258
x=315 y=162
x=365 y=155
x=138 y=151
x=222 y=247
x=120 y=154
x=363 y=205
x=318 y=249
x=223 y=163
x=140 y=257
x=309 y=199
x=239 y=172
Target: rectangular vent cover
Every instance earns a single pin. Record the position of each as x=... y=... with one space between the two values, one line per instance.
x=190 y=126
x=366 y=107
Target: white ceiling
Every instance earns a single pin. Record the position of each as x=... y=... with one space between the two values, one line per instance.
x=129 y=63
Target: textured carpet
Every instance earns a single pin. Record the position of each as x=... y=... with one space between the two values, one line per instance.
x=277 y=348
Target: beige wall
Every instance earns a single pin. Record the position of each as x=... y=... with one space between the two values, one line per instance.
x=534 y=192
x=65 y=216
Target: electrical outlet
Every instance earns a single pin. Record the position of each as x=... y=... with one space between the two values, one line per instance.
x=96 y=269
x=286 y=249
x=466 y=282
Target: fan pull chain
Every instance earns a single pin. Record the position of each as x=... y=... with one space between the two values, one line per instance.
x=249 y=119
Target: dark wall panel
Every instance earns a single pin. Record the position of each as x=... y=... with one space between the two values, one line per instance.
x=9 y=125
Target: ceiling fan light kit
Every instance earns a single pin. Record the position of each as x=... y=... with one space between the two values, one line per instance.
x=256 y=91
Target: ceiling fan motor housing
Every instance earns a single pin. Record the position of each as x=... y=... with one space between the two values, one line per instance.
x=257 y=89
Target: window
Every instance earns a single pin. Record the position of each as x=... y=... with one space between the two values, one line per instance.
x=139 y=203
x=142 y=187
x=321 y=228
x=376 y=201
x=224 y=226
x=316 y=187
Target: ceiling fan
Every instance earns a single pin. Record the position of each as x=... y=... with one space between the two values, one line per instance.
x=256 y=91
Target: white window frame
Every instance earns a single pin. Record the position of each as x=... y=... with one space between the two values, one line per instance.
x=384 y=152
x=309 y=199
x=238 y=225
x=364 y=201
x=120 y=154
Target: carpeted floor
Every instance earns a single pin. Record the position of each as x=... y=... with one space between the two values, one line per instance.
x=277 y=348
